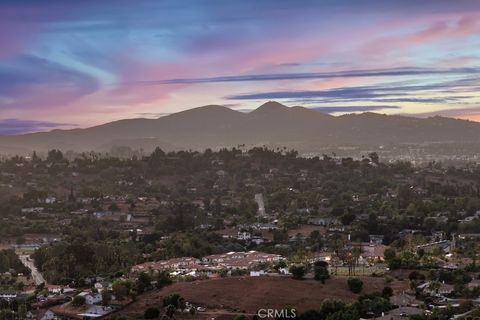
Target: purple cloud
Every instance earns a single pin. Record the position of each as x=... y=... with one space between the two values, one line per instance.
x=30 y=81
x=17 y=126
x=320 y=75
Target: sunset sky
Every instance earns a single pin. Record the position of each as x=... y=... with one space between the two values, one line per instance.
x=66 y=64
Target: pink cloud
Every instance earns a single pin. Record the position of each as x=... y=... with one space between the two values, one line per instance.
x=440 y=29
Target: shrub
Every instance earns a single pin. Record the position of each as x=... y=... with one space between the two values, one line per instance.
x=151 y=313
x=78 y=301
x=174 y=299
x=355 y=285
x=297 y=271
x=320 y=270
x=387 y=292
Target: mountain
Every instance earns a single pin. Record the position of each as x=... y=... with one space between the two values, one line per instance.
x=272 y=124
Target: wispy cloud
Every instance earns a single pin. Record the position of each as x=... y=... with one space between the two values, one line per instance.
x=386 y=92
x=17 y=126
x=394 y=72
x=30 y=81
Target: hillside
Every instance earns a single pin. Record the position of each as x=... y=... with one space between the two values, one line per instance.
x=272 y=124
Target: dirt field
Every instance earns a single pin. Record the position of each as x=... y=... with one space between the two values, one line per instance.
x=248 y=294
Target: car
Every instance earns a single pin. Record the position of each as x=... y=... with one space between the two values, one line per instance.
x=201 y=309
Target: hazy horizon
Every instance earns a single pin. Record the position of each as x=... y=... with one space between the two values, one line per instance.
x=12 y=127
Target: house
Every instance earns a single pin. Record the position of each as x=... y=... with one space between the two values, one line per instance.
x=369 y=252
x=8 y=294
x=33 y=210
x=90 y=297
x=325 y=221
x=244 y=235
x=50 y=200
x=102 y=214
x=444 y=245
x=258 y=240
x=404 y=300
x=436 y=289
x=376 y=238
x=321 y=256
x=100 y=286
x=183 y=264
x=229 y=233
x=240 y=260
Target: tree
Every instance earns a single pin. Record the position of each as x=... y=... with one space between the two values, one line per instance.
x=173 y=299
x=163 y=279
x=389 y=254
x=106 y=297
x=297 y=271
x=387 y=292
x=54 y=156
x=347 y=218
x=143 y=282
x=151 y=313
x=78 y=301
x=355 y=285
x=320 y=269
x=120 y=290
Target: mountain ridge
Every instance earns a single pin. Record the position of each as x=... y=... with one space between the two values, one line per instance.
x=271 y=124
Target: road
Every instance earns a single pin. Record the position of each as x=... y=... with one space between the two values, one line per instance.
x=36 y=275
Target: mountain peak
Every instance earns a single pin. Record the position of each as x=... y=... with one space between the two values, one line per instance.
x=270 y=106
x=207 y=108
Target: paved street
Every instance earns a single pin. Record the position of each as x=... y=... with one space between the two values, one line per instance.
x=36 y=275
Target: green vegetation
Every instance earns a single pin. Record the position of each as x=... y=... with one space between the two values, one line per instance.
x=320 y=269
x=151 y=313
x=78 y=301
x=9 y=261
x=297 y=271
x=355 y=285
x=67 y=263
x=95 y=216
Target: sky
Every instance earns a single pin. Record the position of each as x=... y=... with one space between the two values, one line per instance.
x=69 y=64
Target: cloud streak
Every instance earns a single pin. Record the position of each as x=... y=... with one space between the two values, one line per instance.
x=18 y=126
x=393 y=72
x=31 y=82
x=380 y=92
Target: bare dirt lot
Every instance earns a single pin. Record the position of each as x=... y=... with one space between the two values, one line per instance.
x=248 y=294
